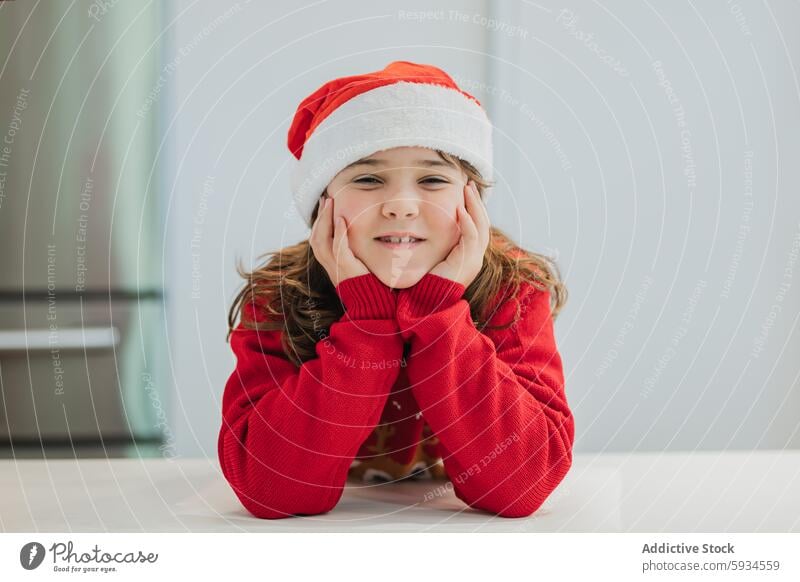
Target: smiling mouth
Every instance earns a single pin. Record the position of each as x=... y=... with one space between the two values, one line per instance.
x=396 y=242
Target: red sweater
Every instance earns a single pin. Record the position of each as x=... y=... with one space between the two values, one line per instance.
x=495 y=400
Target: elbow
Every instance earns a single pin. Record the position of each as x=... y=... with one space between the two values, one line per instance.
x=266 y=494
x=523 y=507
x=518 y=510
x=281 y=509
x=531 y=502
x=545 y=478
x=527 y=500
x=535 y=476
x=504 y=507
x=541 y=490
x=273 y=500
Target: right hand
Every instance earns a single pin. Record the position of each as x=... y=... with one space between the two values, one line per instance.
x=331 y=246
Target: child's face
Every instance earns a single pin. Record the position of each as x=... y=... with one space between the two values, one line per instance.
x=404 y=189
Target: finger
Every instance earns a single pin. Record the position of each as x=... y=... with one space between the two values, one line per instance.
x=316 y=220
x=469 y=234
x=334 y=246
x=340 y=239
x=319 y=223
x=463 y=206
x=336 y=235
x=477 y=208
x=324 y=230
x=458 y=252
x=480 y=216
x=468 y=227
x=313 y=237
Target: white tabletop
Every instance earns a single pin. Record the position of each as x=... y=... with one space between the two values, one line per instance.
x=630 y=492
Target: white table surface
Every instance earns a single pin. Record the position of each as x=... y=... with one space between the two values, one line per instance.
x=737 y=491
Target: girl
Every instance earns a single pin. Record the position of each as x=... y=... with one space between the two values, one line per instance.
x=406 y=338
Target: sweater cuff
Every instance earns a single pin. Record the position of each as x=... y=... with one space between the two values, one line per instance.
x=431 y=294
x=366 y=297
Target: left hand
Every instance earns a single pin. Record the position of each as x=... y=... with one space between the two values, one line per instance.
x=466 y=258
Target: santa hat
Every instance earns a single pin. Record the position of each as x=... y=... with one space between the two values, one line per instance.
x=405 y=104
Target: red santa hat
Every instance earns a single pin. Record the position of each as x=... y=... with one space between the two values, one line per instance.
x=404 y=104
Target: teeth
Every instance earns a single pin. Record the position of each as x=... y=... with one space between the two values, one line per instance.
x=399 y=239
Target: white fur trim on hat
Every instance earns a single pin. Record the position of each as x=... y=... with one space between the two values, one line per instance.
x=395 y=115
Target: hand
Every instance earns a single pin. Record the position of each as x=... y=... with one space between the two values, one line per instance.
x=331 y=247
x=466 y=258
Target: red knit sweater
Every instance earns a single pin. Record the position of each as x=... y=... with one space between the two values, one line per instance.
x=495 y=399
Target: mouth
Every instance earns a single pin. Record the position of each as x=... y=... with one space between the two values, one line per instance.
x=399 y=242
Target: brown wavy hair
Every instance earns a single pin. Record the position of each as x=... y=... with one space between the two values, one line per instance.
x=294 y=293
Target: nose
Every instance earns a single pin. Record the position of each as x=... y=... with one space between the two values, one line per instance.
x=402 y=206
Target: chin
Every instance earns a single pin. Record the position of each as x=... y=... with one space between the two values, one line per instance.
x=402 y=280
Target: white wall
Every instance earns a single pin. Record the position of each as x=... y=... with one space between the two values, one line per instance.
x=672 y=259
x=590 y=170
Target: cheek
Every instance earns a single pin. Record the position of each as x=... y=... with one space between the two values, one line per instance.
x=356 y=215
x=349 y=209
x=447 y=222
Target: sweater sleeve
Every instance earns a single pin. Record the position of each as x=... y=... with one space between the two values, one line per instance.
x=289 y=434
x=495 y=399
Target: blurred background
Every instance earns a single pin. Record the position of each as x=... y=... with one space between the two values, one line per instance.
x=651 y=152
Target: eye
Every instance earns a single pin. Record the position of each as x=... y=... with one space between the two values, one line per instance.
x=367 y=180
x=373 y=180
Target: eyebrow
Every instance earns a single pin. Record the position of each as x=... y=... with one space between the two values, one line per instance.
x=425 y=163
